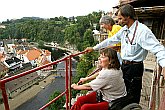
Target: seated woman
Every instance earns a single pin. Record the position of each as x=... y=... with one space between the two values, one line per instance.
x=109 y=81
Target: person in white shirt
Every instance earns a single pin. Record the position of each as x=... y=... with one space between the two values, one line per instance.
x=136 y=40
x=109 y=82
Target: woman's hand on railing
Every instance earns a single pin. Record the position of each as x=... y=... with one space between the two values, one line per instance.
x=81 y=87
x=89 y=49
x=82 y=80
x=73 y=86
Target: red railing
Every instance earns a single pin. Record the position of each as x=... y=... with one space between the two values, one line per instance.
x=67 y=91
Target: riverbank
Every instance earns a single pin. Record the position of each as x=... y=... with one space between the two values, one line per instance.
x=28 y=94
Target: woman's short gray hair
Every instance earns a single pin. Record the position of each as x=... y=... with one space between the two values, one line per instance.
x=107 y=20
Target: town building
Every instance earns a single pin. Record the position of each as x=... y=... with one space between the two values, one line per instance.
x=16 y=58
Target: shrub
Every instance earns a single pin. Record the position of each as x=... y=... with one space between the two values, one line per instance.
x=58 y=104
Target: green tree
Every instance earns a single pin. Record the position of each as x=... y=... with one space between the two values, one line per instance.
x=58 y=104
x=40 y=44
x=88 y=37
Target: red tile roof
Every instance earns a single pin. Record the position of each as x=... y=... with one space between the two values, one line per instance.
x=33 y=54
x=47 y=52
x=20 y=52
x=2 y=57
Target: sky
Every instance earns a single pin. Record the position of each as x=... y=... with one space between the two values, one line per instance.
x=16 y=9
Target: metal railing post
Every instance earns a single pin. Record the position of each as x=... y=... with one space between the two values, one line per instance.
x=66 y=82
x=5 y=98
x=153 y=92
x=70 y=79
x=159 y=70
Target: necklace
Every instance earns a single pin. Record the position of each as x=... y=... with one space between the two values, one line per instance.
x=131 y=41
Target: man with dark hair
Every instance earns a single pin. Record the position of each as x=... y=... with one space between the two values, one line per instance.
x=136 y=40
x=127 y=11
